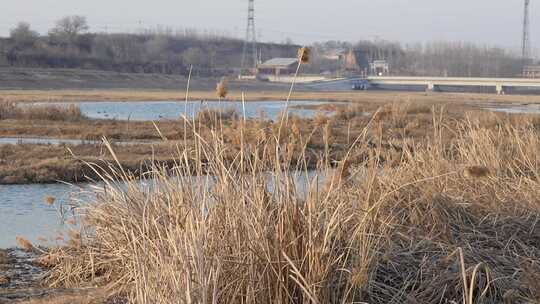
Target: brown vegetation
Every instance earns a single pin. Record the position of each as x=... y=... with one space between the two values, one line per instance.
x=398 y=222
x=25 y=244
x=394 y=127
x=20 y=164
x=10 y=110
x=77 y=296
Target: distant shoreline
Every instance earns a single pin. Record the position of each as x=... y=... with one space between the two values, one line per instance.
x=255 y=94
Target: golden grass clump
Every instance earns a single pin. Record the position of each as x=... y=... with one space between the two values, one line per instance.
x=349 y=112
x=47 y=260
x=25 y=244
x=208 y=117
x=304 y=54
x=263 y=228
x=11 y=110
x=320 y=119
x=222 y=88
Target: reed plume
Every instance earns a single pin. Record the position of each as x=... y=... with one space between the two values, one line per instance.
x=50 y=200
x=222 y=88
x=25 y=244
x=304 y=54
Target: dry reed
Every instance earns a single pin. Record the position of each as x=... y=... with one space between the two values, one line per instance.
x=11 y=110
x=304 y=54
x=412 y=230
x=476 y=172
x=25 y=244
x=222 y=88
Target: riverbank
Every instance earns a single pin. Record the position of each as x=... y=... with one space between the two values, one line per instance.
x=141 y=144
x=13 y=78
x=255 y=95
x=21 y=282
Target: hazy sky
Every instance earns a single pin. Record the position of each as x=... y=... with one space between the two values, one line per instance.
x=495 y=22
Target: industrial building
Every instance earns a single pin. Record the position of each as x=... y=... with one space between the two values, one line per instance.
x=379 y=68
x=278 y=67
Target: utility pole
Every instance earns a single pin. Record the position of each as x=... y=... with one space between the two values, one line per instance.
x=250 y=44
x=526 y=43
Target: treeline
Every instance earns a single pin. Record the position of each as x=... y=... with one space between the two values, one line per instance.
x=70 y=45
x=452 y=59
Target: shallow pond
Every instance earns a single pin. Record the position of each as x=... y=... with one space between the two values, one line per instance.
x=63 y=141
x=44 y=141
x=24 y=211
x=157 y=110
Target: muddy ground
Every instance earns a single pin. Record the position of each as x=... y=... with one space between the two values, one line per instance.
x=21 y=281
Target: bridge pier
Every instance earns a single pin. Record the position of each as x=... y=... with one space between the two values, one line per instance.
x=499 y=88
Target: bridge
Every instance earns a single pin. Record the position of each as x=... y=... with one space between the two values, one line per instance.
x=433 y=84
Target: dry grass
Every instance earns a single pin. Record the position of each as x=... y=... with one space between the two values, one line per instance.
x=25 y=244
x=4 y=258
x=476 y=172
x=388 y=227
x=10 y=110
x=21 y=164
x=222 y=88
x=394 y=128
x=85 y=296
x=210 y=117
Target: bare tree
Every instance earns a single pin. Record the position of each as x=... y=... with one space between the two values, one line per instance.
x=68 y=28
x=195 y=56
x=23 y=36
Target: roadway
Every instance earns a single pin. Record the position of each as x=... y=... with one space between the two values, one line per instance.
x=500 y=85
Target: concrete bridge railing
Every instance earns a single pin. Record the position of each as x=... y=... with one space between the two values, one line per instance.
x=431 y=83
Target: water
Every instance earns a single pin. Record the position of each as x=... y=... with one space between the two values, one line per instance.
x=44 y=141
x=62 y=141
x=24 y=212
x=159 y=110
x=515 y=109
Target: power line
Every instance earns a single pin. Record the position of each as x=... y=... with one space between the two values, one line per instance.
x=526 y=42
x=250 y=39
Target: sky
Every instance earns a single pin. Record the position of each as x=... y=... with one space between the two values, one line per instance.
x=492 y=22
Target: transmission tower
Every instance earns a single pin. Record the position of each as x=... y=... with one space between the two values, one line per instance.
x=526 y=46
x=249 y=55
